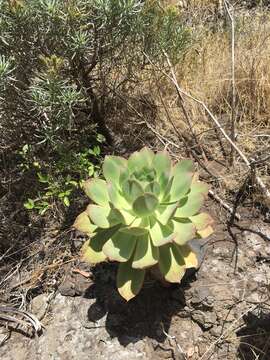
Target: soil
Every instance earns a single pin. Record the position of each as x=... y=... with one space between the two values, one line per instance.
x=220 y=312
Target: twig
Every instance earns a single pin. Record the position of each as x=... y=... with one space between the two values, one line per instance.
x=225 y=205
x=233 y=103
x=28 y=318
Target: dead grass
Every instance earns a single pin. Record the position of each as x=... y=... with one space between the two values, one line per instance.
x=205 y=72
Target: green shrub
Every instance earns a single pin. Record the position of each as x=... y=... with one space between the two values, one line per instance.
x=145 y=212
x=60 y=62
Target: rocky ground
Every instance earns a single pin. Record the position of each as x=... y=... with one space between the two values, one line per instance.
x=221 y=312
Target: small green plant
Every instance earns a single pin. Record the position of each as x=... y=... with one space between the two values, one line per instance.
x=145 y=212
x=59 y=185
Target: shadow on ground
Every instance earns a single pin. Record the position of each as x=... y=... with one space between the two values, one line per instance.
x=149 y=314
x=255 y=336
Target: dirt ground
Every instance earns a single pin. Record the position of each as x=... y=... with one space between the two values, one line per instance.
x=220 y=312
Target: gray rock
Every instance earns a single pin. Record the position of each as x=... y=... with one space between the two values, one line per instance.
x=67 y=338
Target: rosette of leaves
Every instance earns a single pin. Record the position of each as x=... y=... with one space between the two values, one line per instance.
x=144 y=213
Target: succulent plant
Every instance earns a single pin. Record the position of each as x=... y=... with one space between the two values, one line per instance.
x=145 y=212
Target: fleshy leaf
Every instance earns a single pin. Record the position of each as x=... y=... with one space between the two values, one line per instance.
x=145 y=254
x=132 y=189
x=139 y=226
x=120 y=247
x=199 y=187
x=129 y=280
x=145 y=204
x=116 y=198
x=83 y=224
x=189 y=256
x=96 y=190
x=171 y=263
x=204 y=233
x=184 y=166
x=189 y=205
x=184 y=230
x=162 y=163
x=141 y=159
x=92 y=249
x=160 y=234
x=115 y=169
x=180 y=186
x=153 y=187
x=104 y=217
x=93 y=254
x=201 y=221
x=165 y=212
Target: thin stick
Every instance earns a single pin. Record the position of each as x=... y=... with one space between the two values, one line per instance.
x=225 y=205
x=233 y=103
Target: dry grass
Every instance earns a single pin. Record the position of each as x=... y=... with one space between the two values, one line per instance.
x=205 y=72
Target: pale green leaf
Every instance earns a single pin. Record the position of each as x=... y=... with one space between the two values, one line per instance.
x=83 y=223
x=189 y=205
x=129 y=280
x=104 y=217
x=145 y=254
x=184 y=230
x=160 y=234
x=115 y=169
x=171 y=263
x=201 y=221
x=145 y=204
x=189 y=256
x=92 y=249
x=96 y=190
x=120 y=247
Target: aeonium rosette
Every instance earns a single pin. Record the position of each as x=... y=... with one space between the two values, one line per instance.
x=145 y=212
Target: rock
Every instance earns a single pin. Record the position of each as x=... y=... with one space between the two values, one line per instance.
x=202 y=298
x=66 y=337
x=205 y=319
x=38 y=305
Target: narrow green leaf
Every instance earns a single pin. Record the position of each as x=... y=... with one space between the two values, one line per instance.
x=117 y=200
x=129 y=280
x=120 y=247
x=96 y=190
x=145 y=204
x=145 y=253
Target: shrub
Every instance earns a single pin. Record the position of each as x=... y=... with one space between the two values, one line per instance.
x=60 y=62
x=145 y=212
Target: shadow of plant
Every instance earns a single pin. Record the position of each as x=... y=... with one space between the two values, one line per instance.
x=149 y=314
x=255 y=336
